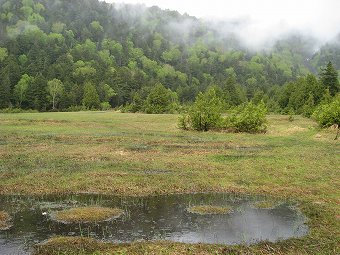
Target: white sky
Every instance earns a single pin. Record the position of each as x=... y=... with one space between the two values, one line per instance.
x=265 y=18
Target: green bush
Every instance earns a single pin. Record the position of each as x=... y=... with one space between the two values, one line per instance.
x=184 y=122
x=251 y=118
x=291 y=117
x=104 y=106
x=204 y=114
x=328 y=114
x=17 y=110
x=76 y=108
x=161 y=100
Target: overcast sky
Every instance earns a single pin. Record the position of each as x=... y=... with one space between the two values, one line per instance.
x=263 y=18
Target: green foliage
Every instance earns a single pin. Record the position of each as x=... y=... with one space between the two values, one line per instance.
x=329 y=78
x=291 y=117
x=326 y=98
x=309 y=106
x=21 y=87
x=3 y=54
x=5 y=90
x=36 y=95
x=184 y=121
x=91 y=97
x=104 y=106
x=302 y=95
x=136 y=105
x=205 y=113
x=251 y=118
x=76 y=108
x=55 y=88
x=328 y=114
x=16 y=110
x=171 y=55
x=231 y=90
x=161 y=100
x=108 y=92
x=42 y=39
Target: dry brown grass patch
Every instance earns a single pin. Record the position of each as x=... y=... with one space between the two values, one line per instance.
x=68 y=245
x=4 y=220
x=208 y=209
x=87 y=214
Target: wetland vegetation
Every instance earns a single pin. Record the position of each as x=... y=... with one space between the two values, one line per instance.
x=208 y=209
x=87 y=214
x=4 y=220
x=136 y=154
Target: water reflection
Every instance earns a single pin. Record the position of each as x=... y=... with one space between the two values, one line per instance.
x=151 y=218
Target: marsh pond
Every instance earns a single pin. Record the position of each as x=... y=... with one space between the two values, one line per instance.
x=242 y=219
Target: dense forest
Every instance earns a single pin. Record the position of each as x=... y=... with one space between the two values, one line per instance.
x=85 y=54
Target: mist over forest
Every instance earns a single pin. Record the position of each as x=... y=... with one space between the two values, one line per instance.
x=87 y=54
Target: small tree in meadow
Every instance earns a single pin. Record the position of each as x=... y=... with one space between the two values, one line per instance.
x=251 y=118
x=204 y=114
x=329 y=114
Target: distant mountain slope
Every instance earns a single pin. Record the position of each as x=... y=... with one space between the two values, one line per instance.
x=130 y=48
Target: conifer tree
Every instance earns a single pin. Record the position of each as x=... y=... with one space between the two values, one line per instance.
x=329 y=78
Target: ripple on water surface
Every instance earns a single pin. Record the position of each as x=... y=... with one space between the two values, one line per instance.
x=152 y=218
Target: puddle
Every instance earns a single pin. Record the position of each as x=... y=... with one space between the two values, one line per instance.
x=151 y=218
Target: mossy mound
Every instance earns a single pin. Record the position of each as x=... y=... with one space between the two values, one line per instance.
x=208 y=209
x=87 y=214
x=69 y=245
x=4 y=220
x=265 y=204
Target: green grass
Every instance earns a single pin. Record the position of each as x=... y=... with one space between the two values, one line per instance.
x=137 y=154
x=265 y=204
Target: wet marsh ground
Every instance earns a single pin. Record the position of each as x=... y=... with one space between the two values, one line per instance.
x=137 y=154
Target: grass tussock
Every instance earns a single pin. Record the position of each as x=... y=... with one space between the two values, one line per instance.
x=4 y=220
x=87 y=214
x=208 y=209
x=69 y=245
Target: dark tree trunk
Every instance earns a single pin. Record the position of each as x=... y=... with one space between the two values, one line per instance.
x=337 y=134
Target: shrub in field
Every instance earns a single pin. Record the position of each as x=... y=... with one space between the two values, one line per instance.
x=184 y=122
x=205 y=113
x=251 y=118
x=328 y=114
x=104 y=106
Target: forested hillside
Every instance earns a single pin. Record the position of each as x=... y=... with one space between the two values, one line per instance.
x=70 y=55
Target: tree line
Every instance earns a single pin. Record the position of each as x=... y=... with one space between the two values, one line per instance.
x=85 y=54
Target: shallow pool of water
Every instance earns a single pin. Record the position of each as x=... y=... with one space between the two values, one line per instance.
x=151 y=218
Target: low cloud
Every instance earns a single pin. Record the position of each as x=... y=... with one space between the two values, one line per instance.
x=258 y=24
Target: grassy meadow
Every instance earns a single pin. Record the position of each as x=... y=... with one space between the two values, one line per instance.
x=139 y=154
